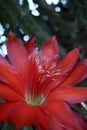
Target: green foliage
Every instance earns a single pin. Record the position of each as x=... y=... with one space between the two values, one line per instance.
x=25 y=5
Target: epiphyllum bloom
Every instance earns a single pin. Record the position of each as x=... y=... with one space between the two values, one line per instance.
x=39 y=88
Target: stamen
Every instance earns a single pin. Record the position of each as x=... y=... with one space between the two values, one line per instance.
x=37 y=101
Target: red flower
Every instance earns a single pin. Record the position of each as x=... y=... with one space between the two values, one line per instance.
x=39 y=88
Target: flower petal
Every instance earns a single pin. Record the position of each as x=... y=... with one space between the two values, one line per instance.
x=78 y=74
x=49 y=52
x=23 y=114
x=8 y=94
x=5 y=110
x=17 y=55
x=19 y=113
x=46 y=123
x=60 y=113
x=67 y=63
x=56 y=75
x=30 y=45
x=10 y=76
x=72 y=95
x=50 y=48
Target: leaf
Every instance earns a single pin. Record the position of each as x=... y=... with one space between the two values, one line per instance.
x=27 y=128
x=8 y=126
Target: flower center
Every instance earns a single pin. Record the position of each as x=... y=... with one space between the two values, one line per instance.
x=34 y=101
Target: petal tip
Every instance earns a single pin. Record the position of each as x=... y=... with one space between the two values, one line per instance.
x=53 y=38
x=76 y=51
x=11 y=37
x=33 y=38
x=10 y=34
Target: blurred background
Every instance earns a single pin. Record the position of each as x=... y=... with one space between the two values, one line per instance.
x=67 y=19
